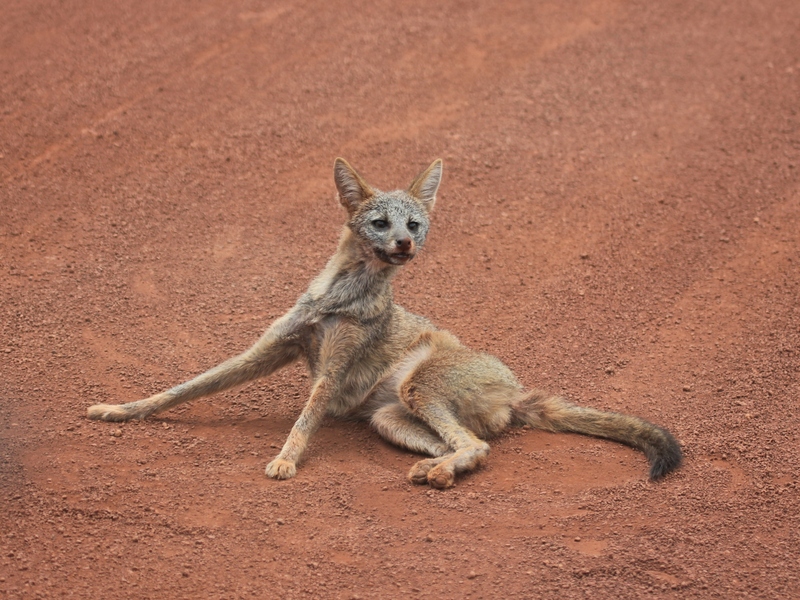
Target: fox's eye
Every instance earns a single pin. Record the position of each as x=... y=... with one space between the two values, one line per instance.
x=380 y=224
x=412 y=225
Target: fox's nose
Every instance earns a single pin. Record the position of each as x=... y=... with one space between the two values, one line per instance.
x=403 y=245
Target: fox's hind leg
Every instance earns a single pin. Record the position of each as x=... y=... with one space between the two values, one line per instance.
x=395 y=424
x=469 y=451
x=451 y=390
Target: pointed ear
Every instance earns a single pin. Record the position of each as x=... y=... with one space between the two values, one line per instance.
x=426 y=184
x=352 y=189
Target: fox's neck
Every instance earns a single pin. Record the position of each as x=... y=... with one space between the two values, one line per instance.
x=353 y=282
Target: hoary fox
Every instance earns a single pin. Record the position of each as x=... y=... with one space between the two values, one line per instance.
x=369 y=358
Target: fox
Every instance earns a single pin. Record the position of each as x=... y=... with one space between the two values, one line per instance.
x=370 y=359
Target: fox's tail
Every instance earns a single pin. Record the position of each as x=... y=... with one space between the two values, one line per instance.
x=551 y=413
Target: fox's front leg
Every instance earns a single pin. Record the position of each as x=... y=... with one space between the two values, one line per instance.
x=284 y=465
x=338 y=343
x=276 y=348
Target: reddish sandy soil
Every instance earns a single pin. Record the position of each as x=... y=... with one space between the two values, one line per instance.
x=619 y=221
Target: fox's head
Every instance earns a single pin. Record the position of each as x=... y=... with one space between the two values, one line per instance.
x=390 y=226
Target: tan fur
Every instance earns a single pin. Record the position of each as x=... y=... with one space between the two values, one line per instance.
x=369 y=358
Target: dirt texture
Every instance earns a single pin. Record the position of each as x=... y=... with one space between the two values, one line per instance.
x=618 y=221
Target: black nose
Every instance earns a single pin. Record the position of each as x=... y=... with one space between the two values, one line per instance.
x=404 y=245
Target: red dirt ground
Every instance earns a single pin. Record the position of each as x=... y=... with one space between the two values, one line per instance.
x=618 y=221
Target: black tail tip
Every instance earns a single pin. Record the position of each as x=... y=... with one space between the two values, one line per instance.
x=667 y=460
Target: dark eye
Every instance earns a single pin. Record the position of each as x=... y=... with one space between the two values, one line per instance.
x=412 y=225
x=380 y=224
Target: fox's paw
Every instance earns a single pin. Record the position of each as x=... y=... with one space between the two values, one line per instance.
x=441 y=477
x=108 y=412
x=281 y=469
x=419 y=472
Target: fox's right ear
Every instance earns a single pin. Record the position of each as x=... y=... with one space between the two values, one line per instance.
x=426 y=184
x=353 y=190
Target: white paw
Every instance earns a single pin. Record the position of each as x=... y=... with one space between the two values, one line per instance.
x=281 y=469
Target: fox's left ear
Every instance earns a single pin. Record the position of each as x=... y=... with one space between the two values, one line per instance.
x=424 y=187
x=353 y=190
